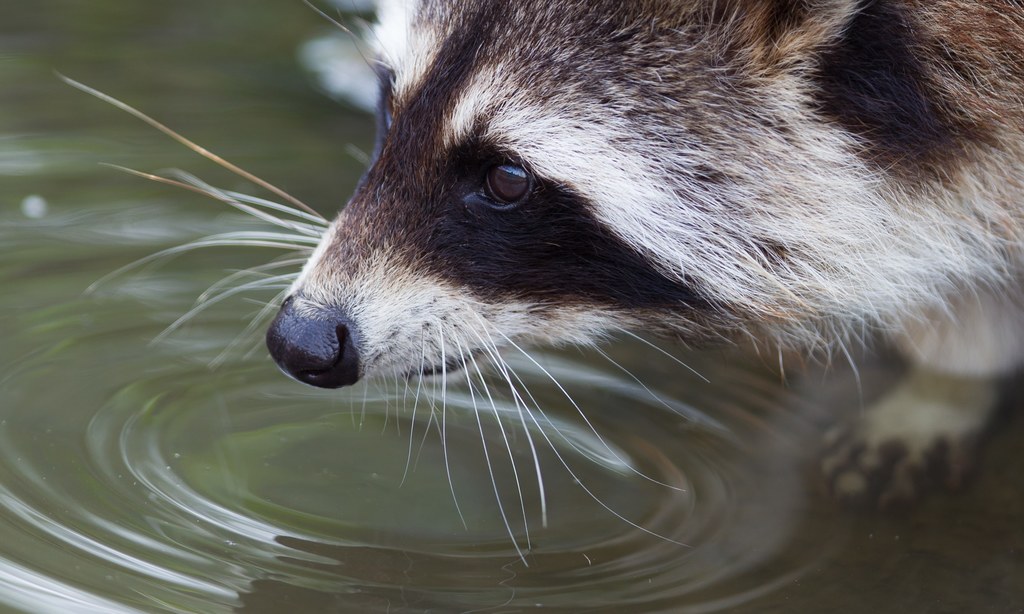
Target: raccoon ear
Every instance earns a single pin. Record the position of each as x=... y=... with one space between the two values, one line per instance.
x=777 y=34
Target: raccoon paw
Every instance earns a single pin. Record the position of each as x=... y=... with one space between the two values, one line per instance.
x=859 y=468
x=922 y=434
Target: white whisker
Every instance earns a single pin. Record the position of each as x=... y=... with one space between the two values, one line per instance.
x=579 y=482
x=657 y=397
x=444 y=424
x=228 y=239
x=665 y=353
x=487 y=459
x=315 y=221
x=577 y=479
x=232 y=199
x=251 y=271
x=415 y=404
x=583 y=415
x=504 y=368
x=262 y=315
x=508 y=445
x=259 y=284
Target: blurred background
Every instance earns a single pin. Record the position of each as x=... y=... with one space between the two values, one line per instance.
x=152 y=466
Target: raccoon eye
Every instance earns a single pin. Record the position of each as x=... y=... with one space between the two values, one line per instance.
x=507 y=183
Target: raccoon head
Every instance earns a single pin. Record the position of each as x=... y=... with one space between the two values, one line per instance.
x=556 y=171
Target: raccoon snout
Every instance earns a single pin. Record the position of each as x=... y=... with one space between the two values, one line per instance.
x=315 y=349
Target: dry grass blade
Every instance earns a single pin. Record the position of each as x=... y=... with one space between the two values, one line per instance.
x=191 y=145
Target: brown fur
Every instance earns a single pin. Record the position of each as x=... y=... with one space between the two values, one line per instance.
x=799 y=171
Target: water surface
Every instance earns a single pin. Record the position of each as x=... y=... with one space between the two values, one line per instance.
x=182 y=472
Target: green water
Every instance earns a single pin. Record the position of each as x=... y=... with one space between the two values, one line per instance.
x=141 y=472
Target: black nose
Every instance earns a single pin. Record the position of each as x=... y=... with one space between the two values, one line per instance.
x=314 y=348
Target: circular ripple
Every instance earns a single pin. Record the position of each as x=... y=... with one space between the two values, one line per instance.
x=134 y=476
x=462 y=503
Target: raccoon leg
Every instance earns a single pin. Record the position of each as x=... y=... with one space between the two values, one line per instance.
x=927 y=428
x=922 y=432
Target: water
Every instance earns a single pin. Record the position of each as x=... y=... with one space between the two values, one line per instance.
x=188 y=475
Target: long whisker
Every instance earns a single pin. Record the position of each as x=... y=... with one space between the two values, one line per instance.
x=432 y=418
x=228 y=239
x=415 y=403
x=259 y=284
x=579 y=482
x=187 y=143
x=265 y=236
x=487 y=459
x=362 y=409
x=387 y=403
x=341 y=27
x=262 y=315
x=508 y=445
x=521 y=406
x=444 y=424
x=662 y=351
x=536 y=404
x=577 y=479
x=250 y=272
x=401 y=385
x=654 y=395
x=583 y=415
x=314 y=221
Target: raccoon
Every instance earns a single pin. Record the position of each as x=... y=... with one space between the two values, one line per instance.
x=807 y=173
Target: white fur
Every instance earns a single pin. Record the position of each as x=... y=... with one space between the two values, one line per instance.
x=976 y=335
x=746 y=193
x=861 y=252
x=405 y=44
x=407 y=321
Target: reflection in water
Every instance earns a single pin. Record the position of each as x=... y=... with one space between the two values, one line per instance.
x=175 y=476
x=185 y=485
